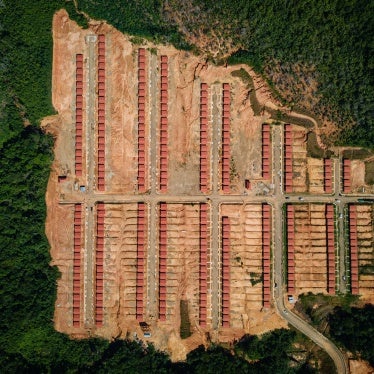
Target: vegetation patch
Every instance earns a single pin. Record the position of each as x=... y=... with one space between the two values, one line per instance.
x=185 y=327
x=353 y=328
x=369 y=172
x=317 y=306
x=289 y=35
x=255 y=278
x=367 y=269
x=318 y=361
x=137 y=40
x=279 y=115
x=313 y=149
x=233 y=171
x=357 y=153
x=244 y=76
x=28 y=341
x=350 y=326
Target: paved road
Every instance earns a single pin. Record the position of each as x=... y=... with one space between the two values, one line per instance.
x=215 y=223
x=314 y=335
x=109 y=198
x=89 y=253
x=279 y=292
x=152 y=284
x=340 y=202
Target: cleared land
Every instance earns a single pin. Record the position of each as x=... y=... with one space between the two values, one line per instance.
x=361 y=239
x=246 y=261
x=155 y=144
x=302 y=173
x=307 y=238
x=163 y=191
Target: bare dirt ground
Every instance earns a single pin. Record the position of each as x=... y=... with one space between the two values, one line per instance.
x=246 y=269
x=358 y=178
x=361 y=367
x=186 y=72
x=310 y=248
x=308 y=172
x=365 y=236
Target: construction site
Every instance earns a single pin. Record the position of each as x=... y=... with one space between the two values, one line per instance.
x=311 y=259
x=303 y=173
x=165 y=193
x=361 y=244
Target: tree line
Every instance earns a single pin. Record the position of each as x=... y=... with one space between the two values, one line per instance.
x=28 y=342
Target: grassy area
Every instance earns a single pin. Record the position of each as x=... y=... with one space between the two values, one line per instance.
x=317 y=307
x=255 y=278
x=248 y=81
x=313 y=149
x=185 y=327
x=278 y=115
x=317 y=359
x=369 y=172
x=358 y=153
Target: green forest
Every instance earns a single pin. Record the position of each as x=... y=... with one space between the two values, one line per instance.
x=292 y=43
x=333 y=35
x=354 y=329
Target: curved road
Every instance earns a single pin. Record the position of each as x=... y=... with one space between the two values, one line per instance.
x=311 y=333
x=278 y=292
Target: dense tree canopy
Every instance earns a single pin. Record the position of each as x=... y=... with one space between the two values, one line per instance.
x=307 y=43
x=332 y=35
x=354 y=329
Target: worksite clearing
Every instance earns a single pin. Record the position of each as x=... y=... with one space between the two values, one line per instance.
x=163 y=191
x=311 y=248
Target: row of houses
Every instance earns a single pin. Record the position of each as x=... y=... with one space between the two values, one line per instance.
x=141 y=244
x=330 y=242
x=99 y=265
x=203 y=263
x=101 y=115
x=288 y=174
x=162 y=261
x=77 y=271
x=204 y=158
x=141 y=119
x=225 y=291
x=266 y=235
x=78 y=114
x=266 y=151
x=226 y=137
x=164 y=125
x=353 y=243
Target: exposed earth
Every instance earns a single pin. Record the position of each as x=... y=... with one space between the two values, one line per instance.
x=250 y=189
